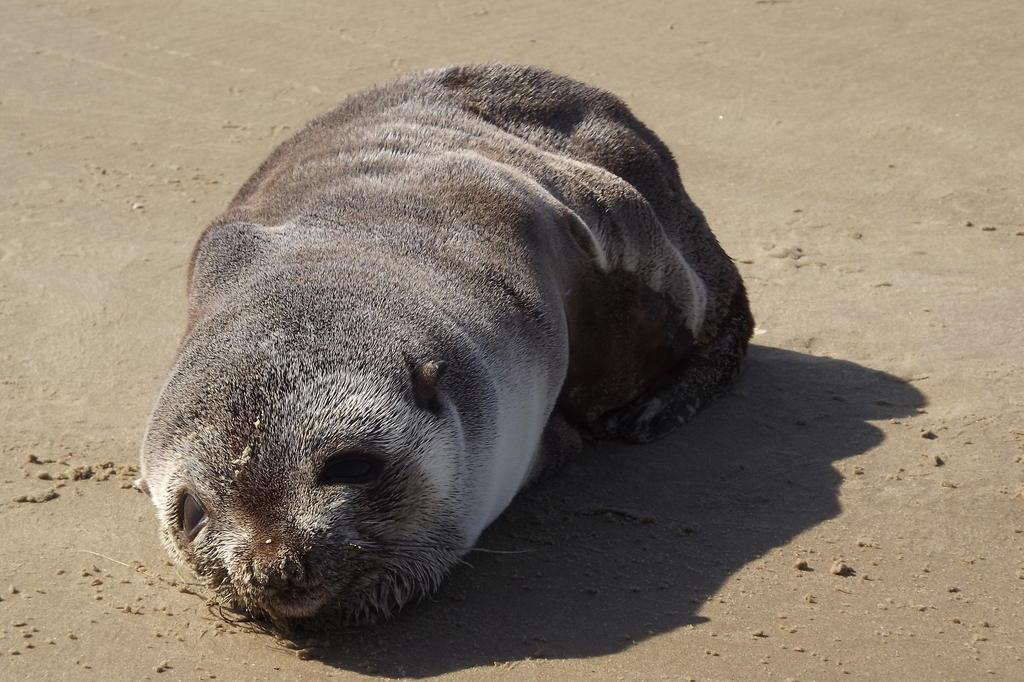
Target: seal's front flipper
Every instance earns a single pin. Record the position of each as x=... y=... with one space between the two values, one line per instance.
x=700 y=378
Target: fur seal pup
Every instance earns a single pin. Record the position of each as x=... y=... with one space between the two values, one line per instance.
x=413 y=307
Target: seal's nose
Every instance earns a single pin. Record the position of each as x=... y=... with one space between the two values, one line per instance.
x=279 y=564
x=274 y=579
x=288 y=576
x=270 y=570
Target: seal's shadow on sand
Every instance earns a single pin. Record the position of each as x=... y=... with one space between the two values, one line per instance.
x=628 y=541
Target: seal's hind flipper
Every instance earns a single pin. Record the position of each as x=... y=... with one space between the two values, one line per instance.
x=700 y=378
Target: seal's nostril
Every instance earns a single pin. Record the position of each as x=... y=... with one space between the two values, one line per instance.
x=293 y=568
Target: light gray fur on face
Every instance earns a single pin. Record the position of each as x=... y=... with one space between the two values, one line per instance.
x=507 y=222
x=262 y=394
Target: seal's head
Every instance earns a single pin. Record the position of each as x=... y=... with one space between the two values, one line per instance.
x=300 y=483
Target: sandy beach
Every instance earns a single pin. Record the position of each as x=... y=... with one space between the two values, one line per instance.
x=852 y=509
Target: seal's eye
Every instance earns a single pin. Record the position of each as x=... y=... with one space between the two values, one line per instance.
x=350 y=468
x=191 y=516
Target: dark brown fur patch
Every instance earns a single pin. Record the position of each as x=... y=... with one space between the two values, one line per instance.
x=623 y=339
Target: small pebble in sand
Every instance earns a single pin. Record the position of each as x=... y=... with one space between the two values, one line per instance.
x=937 y=461
x=802 y=565
x=13 y=589
x=841 y=569
x=952 y=588
x=929 y=435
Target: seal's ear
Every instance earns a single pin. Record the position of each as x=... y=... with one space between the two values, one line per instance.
x=425 y=378
x=141 y=485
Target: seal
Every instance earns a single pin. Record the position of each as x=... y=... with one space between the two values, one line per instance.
x=412 y=308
